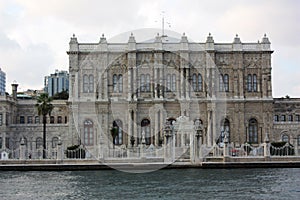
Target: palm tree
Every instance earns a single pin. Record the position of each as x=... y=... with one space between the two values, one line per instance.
x=44 y=108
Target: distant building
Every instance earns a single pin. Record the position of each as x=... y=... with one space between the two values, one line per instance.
x=2 y=82
x=57 y=82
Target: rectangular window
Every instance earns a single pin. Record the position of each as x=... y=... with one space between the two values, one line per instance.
x=282 y=118
x=66 y=119
x=37 y=119
x=0 y=119
x=59 y=120
x=51 y=119
x=290 y=118
x=276 y=118
x=298 y=140
x=22 y=120
x=29 y=119
x=297 y=118
x=0 y=142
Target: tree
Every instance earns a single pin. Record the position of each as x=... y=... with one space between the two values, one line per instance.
x=44 y=108
x=62 y=95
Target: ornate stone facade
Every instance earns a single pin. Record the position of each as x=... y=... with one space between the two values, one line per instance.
x=135 y=87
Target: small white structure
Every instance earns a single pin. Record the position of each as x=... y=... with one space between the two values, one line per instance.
x=4 y=155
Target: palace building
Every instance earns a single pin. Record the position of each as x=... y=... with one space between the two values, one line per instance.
x=129 y=90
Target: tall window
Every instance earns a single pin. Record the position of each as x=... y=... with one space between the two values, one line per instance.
x=88 y=83
x=88 y=132
x=249 y=83
x=253 y=135
x=173 y=82
x=298 y=140
x=39 y=142
x=145 y=124
x=225 y=129
x=290 y=118
x=282 y=118
x=29 y=120
x=119 y=126
x=197 y=82
x=1 y=119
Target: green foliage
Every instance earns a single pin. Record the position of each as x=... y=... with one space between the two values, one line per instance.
x=44 y=105
x=64 y=95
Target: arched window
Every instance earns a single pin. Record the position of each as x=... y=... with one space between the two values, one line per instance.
x=91 y=83
x=119 y=126
x=249 y=83
x=254 y=83
x=85 y=83
x=225 y=129
x=145 y=124
x=115 y=83
x=253 y=135
x=120 y=83
x=88 y=132
x=54 y=142
x=226 y=83
x=39 y=142
x=169 y=82
x=147 y=82
x=173 y=83
x=198 y=121
x=285 y=138
x=194 y=82
x=199 y=82
x=142 y=83
x=221 y=83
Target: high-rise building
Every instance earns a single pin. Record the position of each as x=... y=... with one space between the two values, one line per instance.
x=57 y=82
x=2 y=82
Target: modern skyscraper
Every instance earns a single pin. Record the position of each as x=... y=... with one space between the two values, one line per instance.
x=2 y=82
x=57 y=82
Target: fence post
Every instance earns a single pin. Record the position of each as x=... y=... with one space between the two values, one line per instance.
x=59 y=149
x=22 y=149
x=267 y=147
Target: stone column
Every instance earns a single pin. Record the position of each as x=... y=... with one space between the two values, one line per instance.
x=129 y=84
x=296 y=146
x=187 y=83
x=105 y=84
x=225 y=149
x=156 y=128
x=182 y=91
x=155 y=78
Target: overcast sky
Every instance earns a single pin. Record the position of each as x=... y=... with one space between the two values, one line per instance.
x=34 y=34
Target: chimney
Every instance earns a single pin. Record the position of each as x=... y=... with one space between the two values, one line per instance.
x=14 y=87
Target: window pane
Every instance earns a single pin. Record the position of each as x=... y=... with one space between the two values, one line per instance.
x=85 y=83
x=142 y=83
x=91 y=83
x=249 y=83
x=199 y=82
x=120 y=83
x=226 y=83
x=194 y=83
x=173 y=82
x=115 y=82
x=254 y=83
x=168 y=82
x=148 y=83
x=221 y=87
